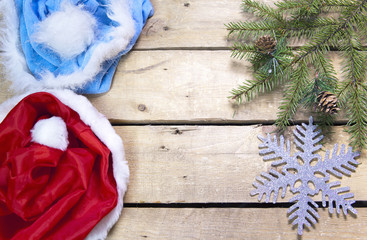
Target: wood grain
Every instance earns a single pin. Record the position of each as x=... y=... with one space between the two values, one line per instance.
x=231 y=223
x=182 y=87
x=185 y=87
x=171 y=164
x=179 y=86
x=190 y=24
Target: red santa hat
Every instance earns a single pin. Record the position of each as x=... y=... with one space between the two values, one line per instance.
x=63 y=172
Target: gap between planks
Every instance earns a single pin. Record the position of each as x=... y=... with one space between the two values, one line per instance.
x=357 y=204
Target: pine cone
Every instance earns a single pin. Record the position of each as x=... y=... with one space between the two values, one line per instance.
x=328 y=102
x=266 y=44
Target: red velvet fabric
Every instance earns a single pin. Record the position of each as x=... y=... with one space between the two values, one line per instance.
x=46 y=193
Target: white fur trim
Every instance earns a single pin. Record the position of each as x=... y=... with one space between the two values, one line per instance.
x=51 y=132
x=17 y=71
x=104 y=131
x=68 y=31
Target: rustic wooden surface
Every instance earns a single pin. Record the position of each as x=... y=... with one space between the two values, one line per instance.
x=204 y=163
x=231 y=223
x=178 y=77
x=184 y=86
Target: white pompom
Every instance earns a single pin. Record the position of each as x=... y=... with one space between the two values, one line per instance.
x=68 y=32
x=51 y=132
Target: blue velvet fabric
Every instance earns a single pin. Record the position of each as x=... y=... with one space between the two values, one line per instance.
x=40 y=58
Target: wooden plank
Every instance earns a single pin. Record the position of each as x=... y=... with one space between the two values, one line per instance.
x=230 y=223
x=191 y=24
x=179 y=86
x=184 y=86
x=170 y=164
x=165 y=86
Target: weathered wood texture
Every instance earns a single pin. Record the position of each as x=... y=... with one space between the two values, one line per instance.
x=206 y=163
x=180 y=72
x=184 y=86
x=230 y=223
x=191 y=24
x=179 y=86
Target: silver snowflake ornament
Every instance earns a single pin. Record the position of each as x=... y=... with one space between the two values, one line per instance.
x=306 y=174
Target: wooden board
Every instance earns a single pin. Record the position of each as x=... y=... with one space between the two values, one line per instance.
x=230 y=223
x=185 y=87
x=164 y=86
x=180 y=24
x=171 y=164
x=173 y=89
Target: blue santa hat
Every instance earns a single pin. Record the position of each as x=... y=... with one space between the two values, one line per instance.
x=74 y=44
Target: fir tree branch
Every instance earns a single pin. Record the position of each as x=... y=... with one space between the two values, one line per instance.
x=325 y=121
x=320 y=83
x=353 y=92
x=245 y=29
x=296 y=28
x=268 y=69
x=342 y=92
x=299 y=19
x=251 y=88
x=353 y=63
x=295 y=92
x=289 y=5
x=325 y=69
x=262 y=10
x=321 y=43
x=357 y=108
x=295 y=5
x=293 y=28
x=247 y=90
x=338 y=3
x=243 y=50
x=293 y=95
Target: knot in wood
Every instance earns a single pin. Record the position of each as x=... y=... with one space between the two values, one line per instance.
x=142 y=107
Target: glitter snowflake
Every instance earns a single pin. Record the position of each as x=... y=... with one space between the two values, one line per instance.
x=306 y=175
